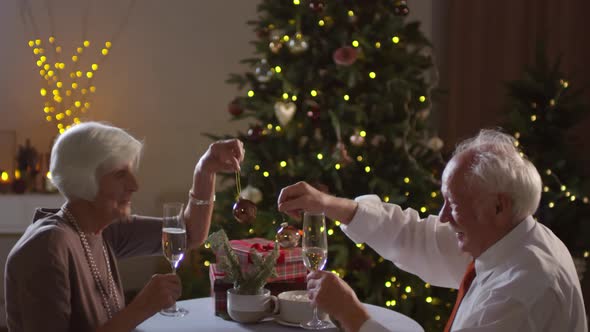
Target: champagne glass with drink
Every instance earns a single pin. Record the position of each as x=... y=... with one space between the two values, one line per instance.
x=174 y=245
x=315 y=256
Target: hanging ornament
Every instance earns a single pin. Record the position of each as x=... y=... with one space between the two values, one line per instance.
x=244 y=210
x=377 y=140
x=298 y=44
x=275 y=46
x=234 y=108
x=288 y=236
x=341 y=154
x=345 y=56
x=313 y=112
x=263 y=72
x=435 y=144
x=316 y=5
x=400 y=8
x=356 y=139
x=255 y=133
x=284 y=112
x=252 y=194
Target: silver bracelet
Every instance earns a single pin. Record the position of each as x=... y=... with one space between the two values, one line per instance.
x=198 y=202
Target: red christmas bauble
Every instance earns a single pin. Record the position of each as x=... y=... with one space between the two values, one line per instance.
x=401 y=8
x=345 y=56
x=244 y=211
x=255 y=133
x=314 y=112
x=234 y=108
x=317 y=6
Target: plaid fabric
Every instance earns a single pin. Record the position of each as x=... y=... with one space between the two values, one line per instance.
x=219 y=289
x=289 y=264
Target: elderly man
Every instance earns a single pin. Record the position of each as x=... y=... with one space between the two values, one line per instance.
x=512 y=272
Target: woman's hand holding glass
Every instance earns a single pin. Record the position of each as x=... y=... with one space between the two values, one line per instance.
x=174 y=245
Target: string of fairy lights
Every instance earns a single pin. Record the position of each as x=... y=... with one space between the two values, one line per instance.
x=564 y=192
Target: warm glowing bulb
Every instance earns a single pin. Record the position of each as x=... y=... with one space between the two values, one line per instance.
x=58 y=49
x=321 y=23
x=43 y=92
x=551 y=204
x=79 y=50
x=433 y=194
x=367 y=169
x=294 y=98
x=105 y=51
x=89 y=74
x=250 y=93
x=74 y=85
x=320 y=156
x=372 y=75
x=59 y=84
x=423 y=209
x=77 y=103
x=395 y=39
x=296 y=2
x=278 y=69
x=337 y=166
x=346 y=97
x=74 y=58
x=533 y=118
x=79 y=73
x=37 y=42
x=363 y=133
x=4 y=176
x=285 y=95
x=94 y=66
x=355 y=43
x=31 y=43
x=359 y=158
x=92 y=89
x=422 y=99
x=265 y=174
x=429 y=299
x=313 y=93
x=68 y=112
x=408 y=289
x=283 y=163
x=407 y=180
x=108 y=44
x=86 y=43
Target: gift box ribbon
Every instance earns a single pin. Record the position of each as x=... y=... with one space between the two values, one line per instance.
x=261 y=248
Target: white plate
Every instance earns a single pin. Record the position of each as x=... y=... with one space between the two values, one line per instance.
x=285 y=323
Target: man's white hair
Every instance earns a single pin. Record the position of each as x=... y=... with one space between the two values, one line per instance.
x=497 y=166
x=87 y=151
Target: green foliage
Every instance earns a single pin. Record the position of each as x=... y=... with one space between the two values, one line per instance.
x=251 y=282
x=543 y=108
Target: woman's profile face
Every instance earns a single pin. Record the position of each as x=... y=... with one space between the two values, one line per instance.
x=115 y=188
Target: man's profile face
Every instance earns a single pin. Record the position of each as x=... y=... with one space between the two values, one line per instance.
x=468 y=209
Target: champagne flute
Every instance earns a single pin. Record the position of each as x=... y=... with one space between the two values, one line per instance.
x=315 y=256
x=174 y=245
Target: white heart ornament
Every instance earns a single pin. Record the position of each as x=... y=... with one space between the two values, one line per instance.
x=284 y=112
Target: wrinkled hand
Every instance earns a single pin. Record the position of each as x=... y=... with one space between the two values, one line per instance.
x=299 y=197
x=222 y=156
x=160 y=292
x=334 y=296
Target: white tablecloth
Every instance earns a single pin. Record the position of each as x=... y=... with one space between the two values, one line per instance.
x=202 y=318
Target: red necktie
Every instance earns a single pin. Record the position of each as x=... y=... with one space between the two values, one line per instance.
x=465 y=283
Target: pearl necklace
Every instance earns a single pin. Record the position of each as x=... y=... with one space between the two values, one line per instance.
x=110 y=291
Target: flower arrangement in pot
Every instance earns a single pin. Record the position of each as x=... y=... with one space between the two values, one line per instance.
x=248 y=301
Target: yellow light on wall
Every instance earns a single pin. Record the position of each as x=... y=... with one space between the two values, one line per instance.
x=104 y=51
x=31 y=43
x=79 y=73
x=92 y=89
x=43 y=92
x=94 y=66
x=108 y=44
x=89 y=74
x=86 y=43
x=79 y=50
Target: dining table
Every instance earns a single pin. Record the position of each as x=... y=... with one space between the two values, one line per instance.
x=201 y=317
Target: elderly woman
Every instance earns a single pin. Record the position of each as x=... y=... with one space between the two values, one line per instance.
x=62 y=274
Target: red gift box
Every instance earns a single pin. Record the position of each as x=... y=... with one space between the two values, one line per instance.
x=219 y=289
x=289 y=264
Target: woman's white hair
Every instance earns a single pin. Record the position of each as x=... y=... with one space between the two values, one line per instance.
x=498 y=167
x=87 y=151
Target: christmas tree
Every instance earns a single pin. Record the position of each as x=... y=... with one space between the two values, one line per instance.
x=543 y=109
x=339 y=95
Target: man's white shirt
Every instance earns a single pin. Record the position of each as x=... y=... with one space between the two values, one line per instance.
x=525 y=282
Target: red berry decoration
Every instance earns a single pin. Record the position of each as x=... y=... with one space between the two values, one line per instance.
x=316 y=5
x=234 y=108
x=244 y=211
x=345 y=56
x=401 y=8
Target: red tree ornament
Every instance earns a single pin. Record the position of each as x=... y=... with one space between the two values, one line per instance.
x=234 y=108
x=345 y=56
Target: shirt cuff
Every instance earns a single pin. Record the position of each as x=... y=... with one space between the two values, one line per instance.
x=358 y=230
